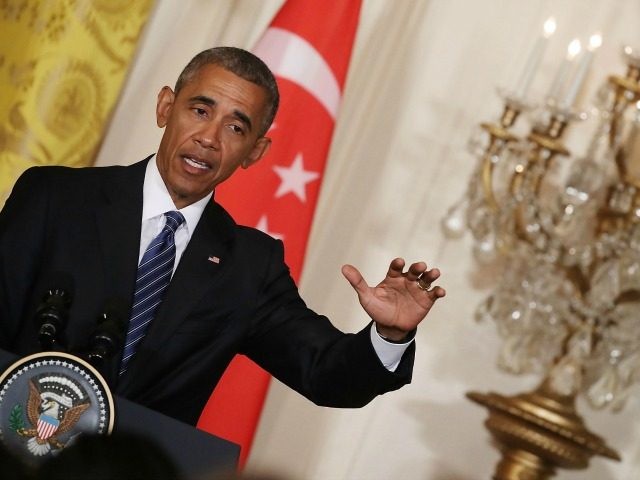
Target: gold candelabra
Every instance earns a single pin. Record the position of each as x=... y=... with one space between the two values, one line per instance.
x=567 y=232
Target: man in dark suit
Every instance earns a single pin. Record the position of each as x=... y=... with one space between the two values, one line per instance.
x=230 y=291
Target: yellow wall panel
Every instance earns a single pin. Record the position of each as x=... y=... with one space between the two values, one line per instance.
x=62 y=65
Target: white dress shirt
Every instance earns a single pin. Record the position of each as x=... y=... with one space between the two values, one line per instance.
x=157 y=201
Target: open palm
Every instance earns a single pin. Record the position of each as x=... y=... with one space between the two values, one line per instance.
x=397 y=304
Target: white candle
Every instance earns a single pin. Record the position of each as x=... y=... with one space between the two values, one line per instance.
x=583 y=69
x=534 y=58
x=558 y=82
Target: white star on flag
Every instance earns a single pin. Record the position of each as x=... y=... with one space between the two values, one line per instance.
x=264 y=227
x=294 y=178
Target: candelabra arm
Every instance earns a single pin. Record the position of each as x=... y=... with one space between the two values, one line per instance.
x=627 y=91
x=499 y=138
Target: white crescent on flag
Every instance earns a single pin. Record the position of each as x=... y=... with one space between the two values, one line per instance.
x=291 y=57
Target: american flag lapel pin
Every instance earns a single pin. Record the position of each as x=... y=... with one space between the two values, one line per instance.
x=213 y=259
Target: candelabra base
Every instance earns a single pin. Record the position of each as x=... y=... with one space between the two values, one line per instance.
x=538 y=432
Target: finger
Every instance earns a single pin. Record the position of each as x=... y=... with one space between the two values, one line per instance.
x=430 y=276
x=395 y=268
x=437 y=292
x=355 y=278
x=426 y=279
x=415 y=270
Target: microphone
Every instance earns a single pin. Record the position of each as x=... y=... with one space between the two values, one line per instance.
x=53 y=312
x=108 y=336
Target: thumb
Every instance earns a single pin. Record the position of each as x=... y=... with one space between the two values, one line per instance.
x=354 y=277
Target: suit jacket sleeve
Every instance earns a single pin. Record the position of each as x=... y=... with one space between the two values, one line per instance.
x=22 y=234
x=306 y=352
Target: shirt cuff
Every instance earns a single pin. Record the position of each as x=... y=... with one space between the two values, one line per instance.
x=389 y=353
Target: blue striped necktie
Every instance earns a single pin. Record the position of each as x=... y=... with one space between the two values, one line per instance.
x=154 y=275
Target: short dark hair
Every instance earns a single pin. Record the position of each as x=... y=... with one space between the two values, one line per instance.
x=242 y=63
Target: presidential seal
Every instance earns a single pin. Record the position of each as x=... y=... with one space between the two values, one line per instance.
x=47 y=400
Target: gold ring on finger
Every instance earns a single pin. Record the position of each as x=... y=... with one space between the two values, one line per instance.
x=422 y=284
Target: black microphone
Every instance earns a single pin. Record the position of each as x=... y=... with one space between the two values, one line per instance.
x=108 y=336
x=53 y=312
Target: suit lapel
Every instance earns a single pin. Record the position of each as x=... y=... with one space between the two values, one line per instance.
x=119 y=229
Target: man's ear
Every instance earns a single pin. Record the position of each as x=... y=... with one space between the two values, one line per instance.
x=166 y=97
x=260 y=149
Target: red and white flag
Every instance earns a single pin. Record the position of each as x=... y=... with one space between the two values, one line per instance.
x=308 y=47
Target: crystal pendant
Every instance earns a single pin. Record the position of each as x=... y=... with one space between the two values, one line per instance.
x=622 y=198
x=620 y=400
x=566 y=376
x=584 y=180
x=478 y=142
x=480 y=221
x=483 y=311
x=453 y=223
x=634 y=238
x=604 y=97
x=603 y=391
x=511 y=358
x=630 y=271
x=581 y=342
x=605 y=285
x=484 y=250
x=629 y=373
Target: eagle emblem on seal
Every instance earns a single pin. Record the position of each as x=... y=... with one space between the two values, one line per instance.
x=55 y=404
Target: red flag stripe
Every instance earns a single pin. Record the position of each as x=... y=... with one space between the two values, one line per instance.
x=308 y=47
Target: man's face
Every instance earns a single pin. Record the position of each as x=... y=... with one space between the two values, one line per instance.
x=212 y=127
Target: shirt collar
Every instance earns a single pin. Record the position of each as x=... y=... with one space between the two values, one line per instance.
x=156 y=199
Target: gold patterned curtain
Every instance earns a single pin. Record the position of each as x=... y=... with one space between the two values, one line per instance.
x=62 y=64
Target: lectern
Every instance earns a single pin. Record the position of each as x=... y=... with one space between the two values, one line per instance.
x=193 y=451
